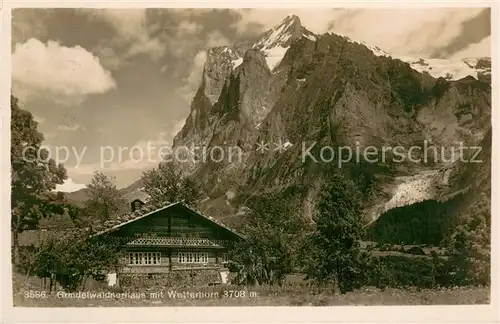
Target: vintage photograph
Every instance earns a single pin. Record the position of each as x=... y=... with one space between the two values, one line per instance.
x=250 y=157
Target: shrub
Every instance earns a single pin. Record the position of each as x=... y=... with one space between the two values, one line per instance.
x=404 y=272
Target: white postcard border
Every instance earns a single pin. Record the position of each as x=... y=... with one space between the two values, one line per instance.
x=345 y=314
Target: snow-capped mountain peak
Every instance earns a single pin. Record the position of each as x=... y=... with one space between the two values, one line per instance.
x=282 y=34
x=451 y=69
x=276 y=41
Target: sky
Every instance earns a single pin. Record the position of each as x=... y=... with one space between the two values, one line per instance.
x=104 y=80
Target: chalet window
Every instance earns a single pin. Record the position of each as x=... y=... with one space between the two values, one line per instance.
x=193 y=257
x=224 y=258
x=204 y=257
x=144 y=258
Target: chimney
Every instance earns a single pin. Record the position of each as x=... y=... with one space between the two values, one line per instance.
x=136 y=205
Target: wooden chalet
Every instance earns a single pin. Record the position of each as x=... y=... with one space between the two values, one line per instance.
x=174 y=237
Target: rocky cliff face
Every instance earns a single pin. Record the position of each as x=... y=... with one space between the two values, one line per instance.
x=293 y=90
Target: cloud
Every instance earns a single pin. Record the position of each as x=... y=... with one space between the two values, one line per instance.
x=67 y=128
x=143 y=154
x=483 y=48
x=216 y=38
x=29 y=23
x=84 y=169
x=159 y=141
x=177 y=127
x=192 y=81
x=156 y=33
x=70 y=186
x=108 y=57
x=189 y=27
x=181 y=45
x=255 y=21
x=38 y=119
x=153 y=47
x=138 y=157
x=472 y=31
x=132 y=30
x=197 y=67
x=401 y=31
x=64 y=74
x=418 y=32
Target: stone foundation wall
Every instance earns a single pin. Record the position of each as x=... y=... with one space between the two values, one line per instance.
x=173 y=279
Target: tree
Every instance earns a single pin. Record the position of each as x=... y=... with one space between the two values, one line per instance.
x=469 y=245
x=43 y=259
x=166 y=185
x=104 y=199
x=273 y=235
x=34 y=176
x=336 y=256
x=72 y=255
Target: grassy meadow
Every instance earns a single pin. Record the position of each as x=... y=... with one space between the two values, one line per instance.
x=289 y=295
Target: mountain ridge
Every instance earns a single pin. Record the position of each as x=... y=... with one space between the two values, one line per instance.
x=329 y=72
x=297 y=87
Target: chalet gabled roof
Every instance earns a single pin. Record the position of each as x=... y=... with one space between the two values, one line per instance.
x=147 y=212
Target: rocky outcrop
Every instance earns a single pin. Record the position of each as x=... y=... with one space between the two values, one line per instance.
x=292 y=90
x=220 y=63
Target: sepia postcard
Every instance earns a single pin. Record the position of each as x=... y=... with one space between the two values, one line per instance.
x=233 y=162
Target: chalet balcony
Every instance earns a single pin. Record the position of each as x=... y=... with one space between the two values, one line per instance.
x=177 y=241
